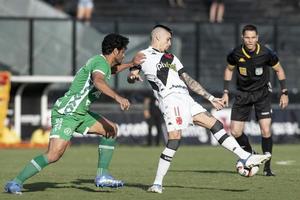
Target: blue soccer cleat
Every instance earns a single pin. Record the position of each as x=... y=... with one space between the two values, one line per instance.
x=13 y=187
x=108 y=181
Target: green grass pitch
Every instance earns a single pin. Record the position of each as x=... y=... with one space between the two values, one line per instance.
x=197 y=172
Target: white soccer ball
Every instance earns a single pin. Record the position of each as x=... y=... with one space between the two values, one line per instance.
x=245 y=171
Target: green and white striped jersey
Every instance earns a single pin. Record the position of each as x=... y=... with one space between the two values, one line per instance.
x=82 y=91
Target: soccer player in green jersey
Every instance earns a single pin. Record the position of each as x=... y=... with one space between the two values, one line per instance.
x=71 y=113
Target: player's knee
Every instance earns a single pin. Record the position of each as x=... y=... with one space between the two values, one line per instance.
x=235 y=134
x=111 y=131
x=216 y=127
x=266 y=132
x=115 y=129
x=173 y=144
x=54 y=156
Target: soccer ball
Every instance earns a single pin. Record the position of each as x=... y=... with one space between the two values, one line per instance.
x=245 y=171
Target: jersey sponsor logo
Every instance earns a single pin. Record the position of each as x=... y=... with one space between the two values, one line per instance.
x=242 y=60
x=161 y=65
x=243 y=71
x=178 y=86
x=164 y=66
x=259 y=71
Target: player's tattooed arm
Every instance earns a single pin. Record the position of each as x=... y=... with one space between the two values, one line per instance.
x=198 y=89
x=195 y=86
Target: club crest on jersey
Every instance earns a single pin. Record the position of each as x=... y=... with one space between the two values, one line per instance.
x=168 y=55
x=179 y=120
x=161 y=65
x=242 y=60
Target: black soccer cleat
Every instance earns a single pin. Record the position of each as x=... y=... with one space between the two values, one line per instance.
x=268 y=172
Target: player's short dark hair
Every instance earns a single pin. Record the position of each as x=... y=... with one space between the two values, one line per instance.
x=249 y=27
x=164 y=27
x=112 y=41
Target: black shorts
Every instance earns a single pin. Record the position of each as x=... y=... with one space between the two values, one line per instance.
x=244 y=101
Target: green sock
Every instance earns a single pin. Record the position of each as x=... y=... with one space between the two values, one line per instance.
x=105 y=152
x=32 y=168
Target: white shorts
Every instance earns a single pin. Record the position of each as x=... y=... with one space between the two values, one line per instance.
x=178 y=110
x=86 y=3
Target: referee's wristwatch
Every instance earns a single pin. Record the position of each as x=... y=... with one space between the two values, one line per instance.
x=285 y=92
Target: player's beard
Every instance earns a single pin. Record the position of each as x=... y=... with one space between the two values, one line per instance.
x=116 y=64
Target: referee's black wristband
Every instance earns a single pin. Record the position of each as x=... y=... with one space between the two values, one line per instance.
x=226 y=85
x=282 y=84
x=135 y=67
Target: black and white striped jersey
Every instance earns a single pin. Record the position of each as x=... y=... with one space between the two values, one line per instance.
x=162 y=70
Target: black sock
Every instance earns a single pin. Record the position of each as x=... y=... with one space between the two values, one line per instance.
x=267 y=146
x=244 y=143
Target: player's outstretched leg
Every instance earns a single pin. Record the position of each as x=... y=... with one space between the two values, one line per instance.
x=231 y=144
x=105 y=153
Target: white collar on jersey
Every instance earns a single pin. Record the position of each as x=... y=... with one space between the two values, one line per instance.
x=155 y=49
x=103 y=56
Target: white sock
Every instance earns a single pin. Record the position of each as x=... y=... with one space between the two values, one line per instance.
x=163 y=165
x=231 y=144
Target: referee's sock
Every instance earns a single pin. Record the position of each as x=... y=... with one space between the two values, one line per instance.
x=267 y=146
x=32 y=168
x=244 y=142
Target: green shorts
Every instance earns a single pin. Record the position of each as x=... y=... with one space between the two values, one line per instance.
x=63 y=126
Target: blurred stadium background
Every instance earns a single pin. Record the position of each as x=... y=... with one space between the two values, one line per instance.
x=42 y=47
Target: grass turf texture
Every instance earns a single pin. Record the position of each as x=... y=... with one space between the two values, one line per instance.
x=202 y=172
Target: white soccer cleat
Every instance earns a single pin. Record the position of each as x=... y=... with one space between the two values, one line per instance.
x=257 y=159
x=155 y=189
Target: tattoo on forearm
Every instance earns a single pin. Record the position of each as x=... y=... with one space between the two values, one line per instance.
x=195 y=86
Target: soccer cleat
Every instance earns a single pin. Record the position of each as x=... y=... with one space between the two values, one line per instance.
x=155 y=189
x=256 y=159
x=108 y=181
x=268 y=172
x=13 y=187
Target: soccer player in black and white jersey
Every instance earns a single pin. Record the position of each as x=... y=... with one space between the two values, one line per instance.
x=170 y=83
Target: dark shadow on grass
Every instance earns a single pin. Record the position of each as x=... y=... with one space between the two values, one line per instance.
x=207 y=188
x=42 y=186
x=145 y=187
x=204 y=171
x=78 y=182
x=137 y=185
